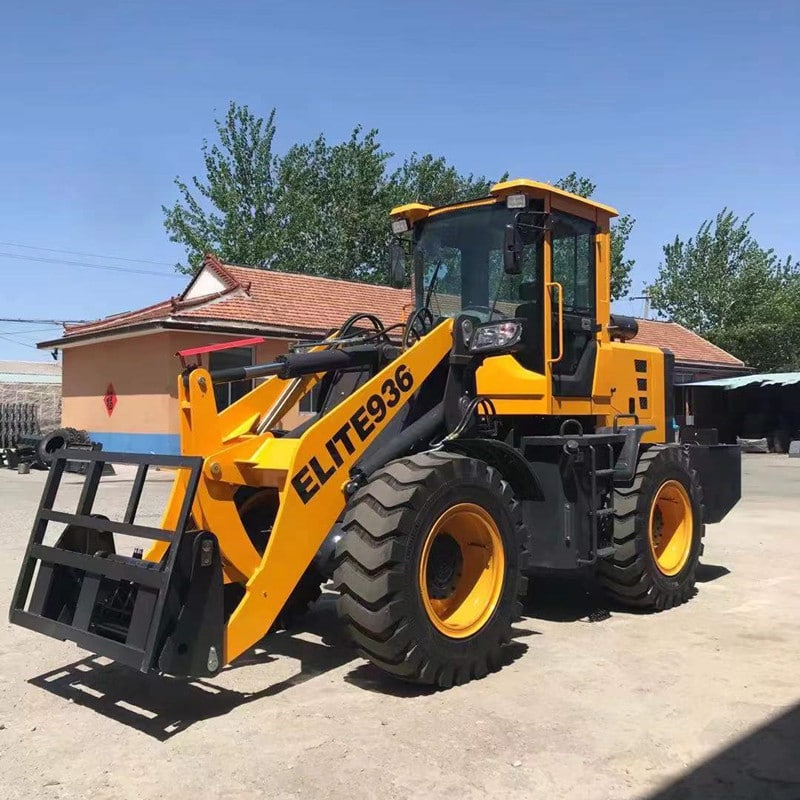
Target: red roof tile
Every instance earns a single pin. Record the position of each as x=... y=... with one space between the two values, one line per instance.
x=685 y=344
x=302 y=302
x=266 y=300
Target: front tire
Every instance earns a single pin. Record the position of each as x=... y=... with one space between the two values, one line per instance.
x=429 y=568
x=658 y=534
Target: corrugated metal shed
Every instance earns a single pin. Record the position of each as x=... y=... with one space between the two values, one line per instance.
x=765 y=379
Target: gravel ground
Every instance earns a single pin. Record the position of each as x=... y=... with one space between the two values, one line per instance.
x=702 y=701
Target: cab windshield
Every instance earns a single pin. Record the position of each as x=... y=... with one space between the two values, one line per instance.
x=458 y=262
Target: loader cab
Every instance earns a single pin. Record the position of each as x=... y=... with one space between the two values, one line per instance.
x=559 y=286
x=459 y=268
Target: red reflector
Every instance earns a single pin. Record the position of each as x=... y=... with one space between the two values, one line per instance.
x=210 y=348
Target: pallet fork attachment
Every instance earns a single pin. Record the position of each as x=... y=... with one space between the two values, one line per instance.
x=164 y=616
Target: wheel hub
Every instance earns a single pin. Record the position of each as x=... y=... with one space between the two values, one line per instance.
x=671 y=527
x=445 y=566
x=462 y=570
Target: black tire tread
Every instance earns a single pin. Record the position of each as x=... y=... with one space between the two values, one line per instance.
x=625 y=577
x=369 y=573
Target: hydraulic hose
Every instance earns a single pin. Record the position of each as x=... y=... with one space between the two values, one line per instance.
x=419 y=431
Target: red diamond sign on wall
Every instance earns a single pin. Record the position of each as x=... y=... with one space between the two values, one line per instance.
x=110 y=399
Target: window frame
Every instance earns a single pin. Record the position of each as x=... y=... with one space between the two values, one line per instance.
x=310 y=398
x=592 y=232
x=228 y=388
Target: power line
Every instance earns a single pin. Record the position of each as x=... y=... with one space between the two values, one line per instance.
x=89 y=255
x=21 y=344
x=28 y=332
x=105 y=267
x=54 y=323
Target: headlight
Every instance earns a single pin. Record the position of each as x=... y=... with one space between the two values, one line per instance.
x=495 y=336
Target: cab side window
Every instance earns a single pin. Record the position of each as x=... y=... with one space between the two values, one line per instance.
x=573 y=263
x=573 y=266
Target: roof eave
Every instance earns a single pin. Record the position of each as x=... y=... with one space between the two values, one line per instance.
x=210 y=326
x=683 y=362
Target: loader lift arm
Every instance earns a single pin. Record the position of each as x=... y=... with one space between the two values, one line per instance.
x=309 y=473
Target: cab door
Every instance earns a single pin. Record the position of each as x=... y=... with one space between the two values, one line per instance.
x=573 y=305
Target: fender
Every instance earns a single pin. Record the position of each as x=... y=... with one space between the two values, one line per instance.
x=508 y=461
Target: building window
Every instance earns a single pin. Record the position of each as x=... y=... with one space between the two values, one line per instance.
x=228 y=393
x=308 y=402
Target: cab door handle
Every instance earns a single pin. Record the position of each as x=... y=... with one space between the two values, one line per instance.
x=550 y=286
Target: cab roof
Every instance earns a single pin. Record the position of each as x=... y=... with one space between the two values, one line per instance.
x=416 y=211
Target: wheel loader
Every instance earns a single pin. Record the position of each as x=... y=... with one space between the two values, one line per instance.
x=509 y=426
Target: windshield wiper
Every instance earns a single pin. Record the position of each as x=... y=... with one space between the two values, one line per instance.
x=432 y=284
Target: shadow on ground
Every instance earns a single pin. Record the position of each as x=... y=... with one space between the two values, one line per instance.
x=570 y=598
x=162 y=707
x=563 y=599
x=711 y=572
x=368 y=676
x=764 y=765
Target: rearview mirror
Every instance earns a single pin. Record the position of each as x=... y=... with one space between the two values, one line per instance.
x=512 y=250
x=397 y=264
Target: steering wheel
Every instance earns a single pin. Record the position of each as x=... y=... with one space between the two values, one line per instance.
x=350 y=322
x=418 y=324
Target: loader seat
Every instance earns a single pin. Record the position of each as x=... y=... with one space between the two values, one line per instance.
x=532 y=356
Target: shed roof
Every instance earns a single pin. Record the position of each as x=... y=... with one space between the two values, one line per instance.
x=763 y=379
x=30 y=372
x=31 y=367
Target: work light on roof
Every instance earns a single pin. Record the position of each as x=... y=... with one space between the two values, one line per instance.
x=399 y=225
x=516 y=201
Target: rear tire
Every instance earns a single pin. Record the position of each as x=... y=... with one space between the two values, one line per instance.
x=429 y=568
x=658 y=534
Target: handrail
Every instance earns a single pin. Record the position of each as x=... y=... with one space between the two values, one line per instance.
x=550 y=285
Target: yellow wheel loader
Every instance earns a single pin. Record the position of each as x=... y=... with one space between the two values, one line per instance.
x=508 y=427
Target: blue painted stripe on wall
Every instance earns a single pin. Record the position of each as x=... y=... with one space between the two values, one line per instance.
x=161 y=443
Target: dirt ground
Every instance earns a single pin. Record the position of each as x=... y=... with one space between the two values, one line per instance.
x=700 y=702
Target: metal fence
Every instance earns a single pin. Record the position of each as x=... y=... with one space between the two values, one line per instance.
x=16 y=420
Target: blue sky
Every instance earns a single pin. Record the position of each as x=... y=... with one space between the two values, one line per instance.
x=675 y=109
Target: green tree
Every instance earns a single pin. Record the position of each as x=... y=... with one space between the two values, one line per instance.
x=331 y=204
x=433 y=181
x=621 y=228
x=321 y=208
x=231 y=211
x=577 y=184
x=722 y=284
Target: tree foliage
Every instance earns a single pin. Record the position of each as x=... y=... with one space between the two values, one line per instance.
x=320 y=208
x=331 y=208
x=621 y=228
x=722 y=284
x=231 y=211
x=433 y=181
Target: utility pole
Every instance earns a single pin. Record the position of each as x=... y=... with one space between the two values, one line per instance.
x=646 y=307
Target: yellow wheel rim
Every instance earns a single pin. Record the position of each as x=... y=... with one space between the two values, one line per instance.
x=461 y=570
x=671 y=527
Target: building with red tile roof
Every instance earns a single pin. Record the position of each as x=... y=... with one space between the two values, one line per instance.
x=224 y=297
x=131 y=356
